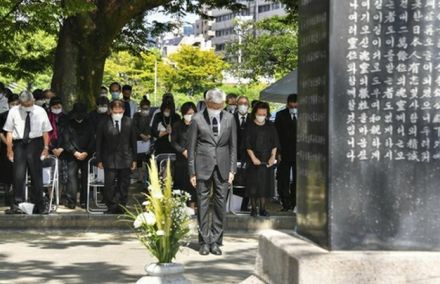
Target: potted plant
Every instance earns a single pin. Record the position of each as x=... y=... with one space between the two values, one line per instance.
x=161 y=222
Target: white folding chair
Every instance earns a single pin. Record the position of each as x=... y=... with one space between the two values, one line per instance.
x=50 y=175
x=229 y=200
x=162 y=160
x=95 y=181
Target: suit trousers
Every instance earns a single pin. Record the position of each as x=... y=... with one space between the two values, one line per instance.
x=286 y=189
x=74 y=182
x=27 y=157
x=116 y=183
x=211 y=199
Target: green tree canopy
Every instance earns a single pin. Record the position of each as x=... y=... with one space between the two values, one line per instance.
x=270 y=49
x=192 y=71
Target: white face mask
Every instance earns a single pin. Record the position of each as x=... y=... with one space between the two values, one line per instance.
x=40 y=102
x=117 y=116
x=260 y=118
x=293 y=110
x=166 y=114
x=56 y=110
x=214 y=112
x=243 y=109
x=145 y=112
x=232 y=108
x=188 y=117
x=102 y=109
x=31 y=108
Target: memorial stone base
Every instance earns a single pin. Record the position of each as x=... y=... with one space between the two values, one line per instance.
x=288 y=258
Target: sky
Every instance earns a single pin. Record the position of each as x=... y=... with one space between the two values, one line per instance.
x=161 y=17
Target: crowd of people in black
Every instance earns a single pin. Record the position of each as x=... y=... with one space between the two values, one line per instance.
x=36 y=124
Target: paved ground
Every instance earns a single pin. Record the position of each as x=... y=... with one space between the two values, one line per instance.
x=110 y=258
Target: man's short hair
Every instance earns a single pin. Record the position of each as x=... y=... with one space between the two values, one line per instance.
x=12 y=98
x=243 y=98
x=102 y=101
x=117 y=103
x=293 y=98
x=231 y=96
x=38 y=94
x=2 y=87
x=216 y=96
x=127 y=88
x=26 y=96
x=115 y=83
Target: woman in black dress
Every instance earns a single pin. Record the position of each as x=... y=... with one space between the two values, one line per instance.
x=162 y=128
x=179 y=140
x=141 y=124
x=261 y=143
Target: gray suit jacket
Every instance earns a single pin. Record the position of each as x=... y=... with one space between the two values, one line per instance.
x=205 y=151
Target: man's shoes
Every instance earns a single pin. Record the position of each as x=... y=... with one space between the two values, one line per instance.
x=204 y=249
x=215 y=249
x=264 y=213
x=254 y=213
x=285 y=209
x=14 y=210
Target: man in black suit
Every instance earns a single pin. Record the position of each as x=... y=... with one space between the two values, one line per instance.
x=242 y=118
x=286 y=123
x=116 y=151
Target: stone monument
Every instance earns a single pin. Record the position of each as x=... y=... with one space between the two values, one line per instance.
x=369 y=124
x=368 y=164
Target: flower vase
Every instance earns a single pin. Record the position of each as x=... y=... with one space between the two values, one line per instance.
x=164 y=273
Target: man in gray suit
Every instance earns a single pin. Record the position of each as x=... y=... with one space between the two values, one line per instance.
x=212 y=161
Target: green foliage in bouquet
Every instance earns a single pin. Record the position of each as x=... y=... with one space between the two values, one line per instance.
x=162 y=221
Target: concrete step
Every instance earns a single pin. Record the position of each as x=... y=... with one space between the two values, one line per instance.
x=87 y=222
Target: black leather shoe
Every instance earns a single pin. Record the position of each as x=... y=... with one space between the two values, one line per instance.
x=253 y=213
x=285 y=209
x=215 y=249
x=264 y=213
x=204 y=250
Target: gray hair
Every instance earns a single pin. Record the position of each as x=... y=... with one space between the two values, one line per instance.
x=26 y=96
x=216 y=96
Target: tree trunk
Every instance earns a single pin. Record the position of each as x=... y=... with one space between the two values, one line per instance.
x=79 y=65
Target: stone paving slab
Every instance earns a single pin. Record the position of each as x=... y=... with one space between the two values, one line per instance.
x=54 y=258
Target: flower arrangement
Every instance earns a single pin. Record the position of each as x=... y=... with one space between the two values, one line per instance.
x=161 y=222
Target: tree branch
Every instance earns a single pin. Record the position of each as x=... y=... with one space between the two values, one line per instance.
x=13 y=9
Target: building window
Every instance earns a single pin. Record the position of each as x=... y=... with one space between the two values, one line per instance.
x=219 y=47
x=276 y=6
x=263 y=8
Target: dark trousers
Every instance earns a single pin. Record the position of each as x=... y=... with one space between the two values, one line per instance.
x=211 y=217
x=116 y=183
x=27 y=156
x=76 y=183
x=286 y=189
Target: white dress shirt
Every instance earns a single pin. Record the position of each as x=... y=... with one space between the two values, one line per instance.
x=16 y=121
x=119 y=125
x=211 y=117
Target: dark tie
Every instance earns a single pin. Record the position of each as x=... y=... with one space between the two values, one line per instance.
x=117 y=126
x=215 y=126
x=243 y=120
x=127 y=111
x=27 y=127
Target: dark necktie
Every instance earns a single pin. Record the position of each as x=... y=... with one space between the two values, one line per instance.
x=27 y=127
x=215 y=126
x=127 y=111
x=117 y=126
x=243 y=120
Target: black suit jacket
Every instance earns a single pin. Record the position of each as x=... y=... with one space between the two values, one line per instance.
x=286 y=128
x=116 y=150
x=241 y=151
